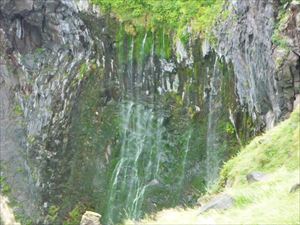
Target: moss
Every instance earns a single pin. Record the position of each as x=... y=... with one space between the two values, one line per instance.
x=278 y=38
x=4 y=186
x=18 y=110
x=74 y=216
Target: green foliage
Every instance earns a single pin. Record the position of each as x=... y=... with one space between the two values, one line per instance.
x=24 y=220
x=4 y=186
x=75 y=215
x=278 y=39
x=266 y=153
x=83 y=70
x=229 y=128
x=53 y=213
x=173 y=15
x=283 y=2
x=39 y=50
x=18 y=110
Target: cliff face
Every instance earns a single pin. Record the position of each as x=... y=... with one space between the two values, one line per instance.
x=267 y=75
x=43 y=44
x=70 y=79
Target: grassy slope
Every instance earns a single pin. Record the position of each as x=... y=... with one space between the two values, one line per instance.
x=269 y=202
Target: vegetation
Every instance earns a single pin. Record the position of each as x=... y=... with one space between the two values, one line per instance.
x=172 y=15
x=74 y=217
x=4 y=186
x=278 y=39
x=275 y=153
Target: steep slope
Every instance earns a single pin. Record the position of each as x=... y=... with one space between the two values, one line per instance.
x=272 y=200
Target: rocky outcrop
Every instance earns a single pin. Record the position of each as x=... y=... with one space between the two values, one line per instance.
x=245 y=38
x=295 y=188
x=286 y=56
x=256 y=177
x=220 y=202
x=43 y=47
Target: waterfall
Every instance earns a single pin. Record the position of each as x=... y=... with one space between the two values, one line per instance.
x=138 y=166
x=141 y=63
x=184 y=161
x=131 y=69
x=213 y=159
x=153 y=163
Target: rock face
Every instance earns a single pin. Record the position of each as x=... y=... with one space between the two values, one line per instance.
x=43 y=45
x=267 y=89
x=221 y=202
x=90 y=218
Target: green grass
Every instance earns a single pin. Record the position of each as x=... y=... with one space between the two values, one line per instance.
x=275 y=153
x=277 y=148
x=171 y=15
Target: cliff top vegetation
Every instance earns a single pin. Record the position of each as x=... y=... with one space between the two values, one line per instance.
x=171 y=15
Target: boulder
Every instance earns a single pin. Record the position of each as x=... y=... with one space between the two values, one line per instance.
x=295 y=188
x=221 y=202
x=256 y=177
x=90 y=218
x=297 y=101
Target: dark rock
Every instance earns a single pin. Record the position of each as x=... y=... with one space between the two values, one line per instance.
x=295 y=188
x=221 y=202
x=256 y=177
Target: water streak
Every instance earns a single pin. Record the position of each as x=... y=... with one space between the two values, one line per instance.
x=214 y=106
x=139 y=160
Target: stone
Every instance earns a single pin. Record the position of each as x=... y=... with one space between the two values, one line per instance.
x=295 y=188
x=270 y=120
x=297 y=101
x=221 y=202
x=90 y=218
x=23 y=5
x=256 y=177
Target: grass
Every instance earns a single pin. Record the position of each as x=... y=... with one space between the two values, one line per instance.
x=174 y=16
x=275 y=153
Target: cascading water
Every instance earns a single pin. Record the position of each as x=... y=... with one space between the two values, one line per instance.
x=158 y=138
x=213 y=158
x=139 y=162
x=143 y=164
